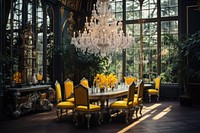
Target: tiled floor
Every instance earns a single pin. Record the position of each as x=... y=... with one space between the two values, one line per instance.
x=160 y=117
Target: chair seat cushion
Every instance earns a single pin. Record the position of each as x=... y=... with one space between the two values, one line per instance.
x=92 y=108
x=65 y=105
x=70 y=99
x=125 y=99
x=137 y=101
x=153 y=91
x=120 y=105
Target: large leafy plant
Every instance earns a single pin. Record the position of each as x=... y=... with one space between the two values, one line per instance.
x=190 y=51
x=188 y=60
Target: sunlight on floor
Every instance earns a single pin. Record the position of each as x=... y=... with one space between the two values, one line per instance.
x=150 y=109
x=161 y=114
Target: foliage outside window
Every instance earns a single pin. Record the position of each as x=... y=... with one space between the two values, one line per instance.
x=169 y=34
x=169 y=8
x=169 y=24
x=168 y=58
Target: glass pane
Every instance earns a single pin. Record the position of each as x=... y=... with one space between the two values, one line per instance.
x=173 y=11
x=164 y=3
x=30 y=8
x=136 y=5
x=129 y=6
x=165 y=12
x=164 y=27
x=119 y=7
x=136 y=29
x=129 y=15
x=173 y=2
x=173 y=26
x=118 y=16
x=169 y=8
x=153 y=13
x=112 y=6
x=136 y=14
x=145 y=14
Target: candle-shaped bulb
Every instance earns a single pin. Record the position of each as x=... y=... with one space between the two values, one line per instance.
x=79 y=33
x=94 y=7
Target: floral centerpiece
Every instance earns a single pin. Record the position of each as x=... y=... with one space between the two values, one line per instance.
x=17 y=77
x=105 y=81
x=112 y=80
x=39 y=77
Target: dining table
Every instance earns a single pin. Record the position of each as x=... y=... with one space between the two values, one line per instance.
x=109 y=93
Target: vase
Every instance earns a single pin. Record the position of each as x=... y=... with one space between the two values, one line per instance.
x=102 y=90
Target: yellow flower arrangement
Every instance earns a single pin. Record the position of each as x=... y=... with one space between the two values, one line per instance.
x=17 y=77
x=39 y=77
x=112 y=80
x=102 y=81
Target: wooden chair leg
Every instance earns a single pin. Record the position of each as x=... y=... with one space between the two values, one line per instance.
x=59 y=113
x=83 y=118
x=158 y=97
x=136 y=111
x=132 y=113
x=141 y=107
x=127 y=114
x=100 y=120
x=110 y=115
x=88 y=116
x=149 y=97
x=75 y=118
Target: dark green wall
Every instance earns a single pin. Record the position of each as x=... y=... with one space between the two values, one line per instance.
x=193 y=16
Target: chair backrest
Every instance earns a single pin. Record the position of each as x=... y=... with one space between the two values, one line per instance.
x=130 y=79
x=140 y=89
x=58 y=92
x=81 y=97
x=69 y=88
x=157 y=83
x=84 y=82
x=131 y=92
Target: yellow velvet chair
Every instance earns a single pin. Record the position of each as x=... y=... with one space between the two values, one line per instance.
x=69 y=90
x=61 y=105
x=84 y=82
x=124 y=105
x=156 y=90
x=128 y=80
x=83 y=106
x=138 y=98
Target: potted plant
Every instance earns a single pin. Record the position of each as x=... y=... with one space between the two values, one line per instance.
x=188 y=63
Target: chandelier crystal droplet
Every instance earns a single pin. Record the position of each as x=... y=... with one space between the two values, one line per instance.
x=102 y=34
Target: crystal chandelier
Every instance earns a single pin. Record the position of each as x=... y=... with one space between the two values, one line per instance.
x=102 y=33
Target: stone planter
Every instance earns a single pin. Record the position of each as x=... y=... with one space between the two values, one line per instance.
x=185 y=101
x=1 y=104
